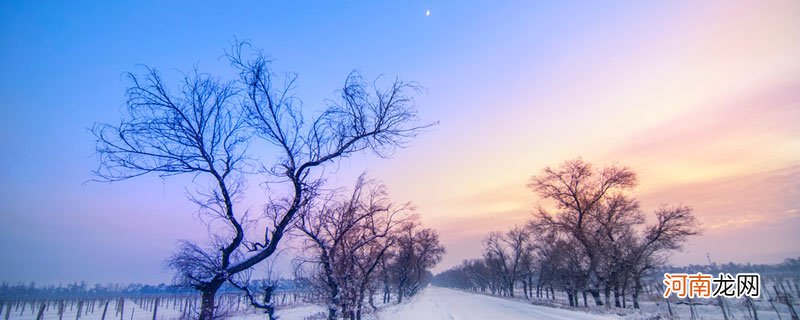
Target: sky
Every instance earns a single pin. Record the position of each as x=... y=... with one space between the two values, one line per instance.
x=702 y=100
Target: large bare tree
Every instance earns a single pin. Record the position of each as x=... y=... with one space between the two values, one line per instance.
x=577 y=190
x=596 y=208
x=203 y=128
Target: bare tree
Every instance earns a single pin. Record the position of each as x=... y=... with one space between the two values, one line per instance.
x=597 y=210
x=611 y=227
x=346 y=240
x=577 y=189
x=417 y=250
x=505 y=252
x=565 y=269
x=204 y=129
x=673 y=227
x=469 y=275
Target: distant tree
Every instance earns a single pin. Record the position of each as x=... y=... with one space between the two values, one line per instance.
x=505 y=252
x=203 y=129
x=416 y=251
x=563 y=268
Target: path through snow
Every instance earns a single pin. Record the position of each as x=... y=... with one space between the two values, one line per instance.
x=436 y=303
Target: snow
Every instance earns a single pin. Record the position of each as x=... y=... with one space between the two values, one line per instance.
x=295 y=313
x=135 y=312
x=436 y=303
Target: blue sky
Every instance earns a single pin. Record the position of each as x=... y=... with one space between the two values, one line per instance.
x=516 y=86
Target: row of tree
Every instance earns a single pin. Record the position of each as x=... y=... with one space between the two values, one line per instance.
x=361 y=242
x=592 y=239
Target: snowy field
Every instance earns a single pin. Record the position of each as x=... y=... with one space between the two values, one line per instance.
x=433 y=303
x=136 y=312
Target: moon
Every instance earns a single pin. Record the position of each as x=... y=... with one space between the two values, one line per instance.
x=427 y=12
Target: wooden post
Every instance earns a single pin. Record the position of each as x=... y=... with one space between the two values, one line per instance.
x=61 y=308
x=669 y=307
x=40 y=316
x=752 y=306
x=105 y=308
x=80 y=307
x=772 y=303
x=722 y=306
x=787 y=300
x=155 y=308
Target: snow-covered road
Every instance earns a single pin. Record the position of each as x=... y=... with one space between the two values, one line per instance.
x=436 y=303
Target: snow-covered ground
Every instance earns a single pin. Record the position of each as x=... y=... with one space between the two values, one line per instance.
x=136 y=312
x=293 y=313
x=436 y=303
x=433 y=303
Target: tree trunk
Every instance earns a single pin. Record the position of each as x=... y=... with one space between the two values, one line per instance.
x=636 y=288
x=575 y=295
x=585 y=304
x=571 y=299
x=387 y=291
x=525 y=288
x=594 y=281
x=372 y=299
x=208 y=300
x=530 y=286
x=399 y=294
x=623 y=298
x=596 y=296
